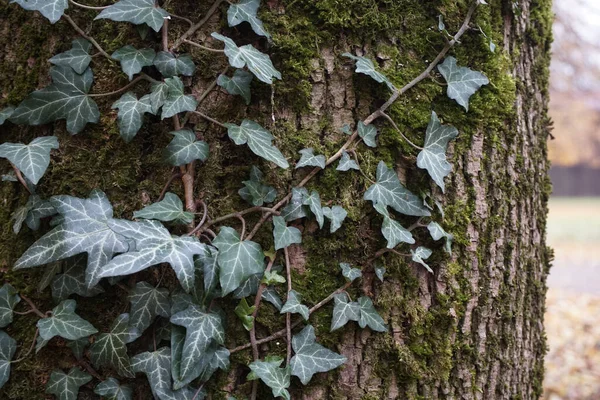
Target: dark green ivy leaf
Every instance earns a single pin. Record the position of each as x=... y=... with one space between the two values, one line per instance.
x=133 y=60
x=347 y=163
x=65 y=323
x=285 y=235
x=278 y=379
x=111 y=389
x=8 y=346
x=5 y=114
x=148 y=302
x=368 y=133
x=437 y=232
x=258 y=139
x=78 y=346
x=8 y=300
x=254 y=192
x=344 y=310
x=369 y=316
x=462 y=82
x=350 y=273
x=66 y=386
x=336 y=215
x=177 y=101
x=170 y=208
x=293 y=305
x=420 y=255
x=296 y=209
x=51 y=9
x=170 y=65
x=310 y=357
x=72 y=280
x=245 y=11
x=392 y=230
x=239 y=84
x=137 y=12
x=110 y=349
x=185 y=148
x=309 y=159
x=244 y=313
x=31 y=159
x=366 y=66
x=77 y=58
x=131 y=114
x=32 y=212
x=313 y=200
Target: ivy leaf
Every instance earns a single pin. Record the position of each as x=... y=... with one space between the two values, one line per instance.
x=248 y=287
x=437 y=232
x=72 y=281
x=158 y=96
x=157 y=368
x=369 y=316
x=392 y=230
x=8 y=347
x=350 y=273
x=207 y=262
x=5 y=114
x=32 y=212
x=380 y=272
x=285 y=235
x=295 y=209
x=314 y=202
x=368 y=133
x=78 y=346
x=51 y=9
x=271 y=295
x=366 y=66
x=238 y=259
x=421 y=254
x=8 y=300
x=83 y=229
x=258 y=139
x=239 y=84
x=65 y=323
x=111 y=389
x=170 y=208
x=154 y=245
x=388 y=191
x=133 y=60
x=433 y=156
x=311 y=357
x=216 y=357
x=278 y=379
x=170 y=65
x=31 y=159
x=336 y=215
x=77 y=58
x=131 y=114
x=66 y=386
x=148 y=302
x=137 y=12
x=110 y=349
x=202 y=328
x=344 y=311
x=462 y=82
x=272 y=278
x=347 y=163
x=244 y=313
x=293 y=305
x=254 y=192
x=246 y=11
x=185 y=148
x=258 y=63
x=308 y=159
x=177 y=101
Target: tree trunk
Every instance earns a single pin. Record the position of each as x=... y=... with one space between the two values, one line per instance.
x=474 y=328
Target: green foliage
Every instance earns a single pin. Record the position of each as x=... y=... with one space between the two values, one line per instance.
x=185 y=148
x=285 y=235
x=258 y=139
x=366 y=66
x=239 y=84
x=137 y=12
x=133 y=60
x=65 y=323
x=110 y=349
x=77 y=58
x=254 y=192
x=8 y=300
x=51 y=9
x=293 y=305
x=148 y=302
x=168 y=209
x=8 y=346
x=131 y=114
x=111 y=389
x=66 y=386
x=309 y=159
x=269 y=371
x=245 y=11
x=31 y=159
x=311 y=357
x=462 y=82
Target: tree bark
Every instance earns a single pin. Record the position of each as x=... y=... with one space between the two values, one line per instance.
x=474 y=328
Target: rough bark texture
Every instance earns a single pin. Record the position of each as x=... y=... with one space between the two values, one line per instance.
x=473 y=329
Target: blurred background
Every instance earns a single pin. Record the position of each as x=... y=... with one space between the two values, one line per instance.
x=573 y=304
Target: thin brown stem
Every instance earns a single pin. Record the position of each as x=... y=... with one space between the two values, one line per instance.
x=288 y=316
x=33 y=306
x=37 y=331
x=189 y=21
x=123 y=89
x=197 y=26
x=198 y=45
x=203 y=220
x=399 y=131
x=211 y=87
x=243 y=221
x=173 y=176
x=90 y=369
x=20 y=178
x=206 y=117
x=87 y=7
x=237 y=215
x=165 y=35
x=85 y=35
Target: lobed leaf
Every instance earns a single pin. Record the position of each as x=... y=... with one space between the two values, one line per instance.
x=437 y=232
x=392 y=230
x=278 y=379
x=308 y=159
x=310 y=357
x=462 y=82
x=245 y=11
x=344 y=310
x=77 y=58
x=239 y=84
x=314 y=202
x=110 y=349
x=66 y=386
x=420 y=255
x=53 y=10
x=65 y=323
x=131 y=114
x=254 y=192
x=258 y=139
x=336 y=215
x=177 y=101
x=111 y=389
x=366 y=66
x=368 y=133
x=133 y=60
x=137 y=12
x=293 y=305
x=350 y=273
x=347 y=163
x=285 y=235
x=8 y=347
x=170 y=208
x=185 y=148
x=8 y=300
x=170 y=65
x=148 y=302
x=31 y=159
x=369 y=316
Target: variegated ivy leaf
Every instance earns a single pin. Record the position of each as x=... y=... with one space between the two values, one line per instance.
x=66 y=98
x=336 y=215
x=309 y=159
x=239 y=84
x=154 y=245
x=462 y=82
x=313 y=200
x=185 y=148
x=278 y=379
x=157 y=368
x=8 y=346
x=31 y=159
x=437 y=232
x=369 y=316
x=347 y=163
x=238 y=259
x=32 y=212
x=310 y=357
x=293 y=305
x=158 y=96
x=366 y=66
x=170 y=65
x=5 y=114
x=170 y=208
x=433 y=156
x=380 y=272
x=177 y=101
x=244 y=313
x=65 y=323
x=258 y=139
x=66 y=386
x=137 y=12
x=78 y=347
x=77 y=58
x=83 y=229
x=8 y=300
x=110 y=349
x=350 y=273
x=51 y=9
x=111 y=389
x=344 y=310
x=248 y=287
x=285 y=235
x=133 y=60
x=420 y=255
x=392 y=230
x=296 y=209
x=202 y=329
x=258 y=63
x=72 y=280
x=254 y=192
x=388 y=191
x=131 y=114
x=245 y=11
x=216 y=357
x=368 y=133
x=148 y=302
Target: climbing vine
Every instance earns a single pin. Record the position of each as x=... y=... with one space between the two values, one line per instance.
x=218 y=267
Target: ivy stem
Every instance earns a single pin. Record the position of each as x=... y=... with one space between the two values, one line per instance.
x=87 y=7
x=32 y=306
x=399 y=131
x=20 y=178
x=211 y=86
x=206 y=117
x=37 y=331
x=203 y=220
x=123 y=89
x=85 y=35
x=173 y=176
x=189 y=21
x=198 y=45
x=243 y=226
x=198 y=391
x=211 y=222
x=198 y=25
x=89 y=369
x=288 y=316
